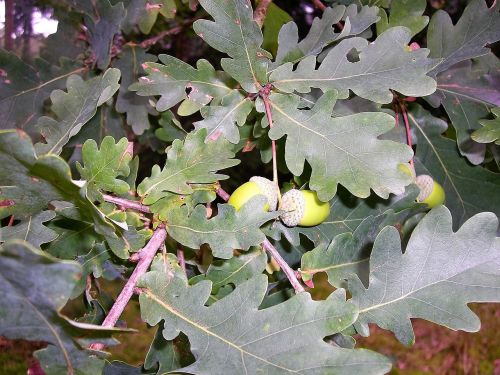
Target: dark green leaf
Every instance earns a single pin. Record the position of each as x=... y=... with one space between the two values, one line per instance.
x=440 y=272
x=322 y=32
x=174 y=77
x=464 y=195
x=235 y=32
x=341 y=150
x=235 y=336
x=478 y=26
x=24 y=88
x=490 y=131
x=103 y=28
x=31 y=230
x=74 y=109
x=385 y=64
x=190 y=162
x=228 y=231
x=406 y=13
x=136 y=107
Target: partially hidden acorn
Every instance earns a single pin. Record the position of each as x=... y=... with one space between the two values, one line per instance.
x=431 y=192
x=256 y=186
x=407 y=169
x=303 y=208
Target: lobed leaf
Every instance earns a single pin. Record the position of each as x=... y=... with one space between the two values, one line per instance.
x=383 y=65
x=490 y=132
x=478 y=26
x=322 y=32
x=406 y=13
x=229 y=230
x=235 y=337
x=191 y=161
x=343 y=150
x=74 y=109
x=103 y=28
x=34 y=287
x=174 y=77
x=31 y=230
x=225 y=118
x=440 y=272
x=102 y=167
x=235 y=33
x=24 y=88
x=136 y=107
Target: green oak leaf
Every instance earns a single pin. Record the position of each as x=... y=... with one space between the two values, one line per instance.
x=238 y=338
x=191 y=161
x=34 y=287
x=348 y=253
x=234 y=271
x=235 y=33
x=466 y=91
x=105 y=122
x=168 y=355
x=322 y=32
x=136 y=107
x=383 y=65
x=273 y=22
x=144 y=13
x=343 y=150
x=171 y=79
x=24 y=88
x=75 y=238
x=103 y=28
x=490 y=132
x=478 y=26
x=102 y=167
x=171 y=129
x=31 y=230
x=225 y=118
x=229 y=230
x=406 y=13
x=439 y=157
x=74 y=109
x=440 y=272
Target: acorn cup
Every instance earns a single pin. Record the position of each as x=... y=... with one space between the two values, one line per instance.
x=256 y=186
x=303 y=208
x=431 y=192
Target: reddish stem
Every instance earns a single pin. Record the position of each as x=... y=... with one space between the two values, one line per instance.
x=408 y=132
x=318 y=4
x=11 y=221
x=181 y=259
x=267 y=246
x=126 y=203
x=148 y=253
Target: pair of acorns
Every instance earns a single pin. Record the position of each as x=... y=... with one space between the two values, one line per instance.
x=300 y=207
x=303 y=208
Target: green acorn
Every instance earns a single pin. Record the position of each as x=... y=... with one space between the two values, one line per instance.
x=302 y=207
x=257 y=185
x=431 y=192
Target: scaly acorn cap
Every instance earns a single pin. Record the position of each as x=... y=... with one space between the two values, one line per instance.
x=430 y=191
x=269 y=189
x=257 y=185
x=302 y=207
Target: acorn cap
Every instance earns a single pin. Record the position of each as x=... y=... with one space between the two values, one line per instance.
x=426 y=184
x=294 y=205
x=269 y=189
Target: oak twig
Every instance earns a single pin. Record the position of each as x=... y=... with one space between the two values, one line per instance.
x=267 y=246
x=126 y=203
x=319 y=5
x=148 y=253
x=259 y=15
x=174 y=30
